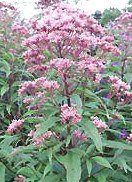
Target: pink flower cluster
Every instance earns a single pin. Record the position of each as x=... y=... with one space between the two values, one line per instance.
x=27 y=87
x=91 y=67
x=6 y=6
x=78 y=135
x=118 y=84
x=43 y=3
x=120 y=88
x=127 y=16
x=31 y=87
x=106 y=45
x=15 y=126
x=70 y=115
x=61 y=65
x=42 y=82
x=40 y=70
x=63 y=32
x=40 y=139
x=19 y=178
x=20 y=29
x=36 y=91
x=66 y=34
x=123 y=29
x=100 y=125
x=35 y=102
x=130 y=137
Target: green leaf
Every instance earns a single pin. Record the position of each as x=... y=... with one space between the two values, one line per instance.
x=51 y=178
x=72 y=163
x=68 y=140
x=90 y=149
x=5 y=67
x=124 y=164
x=89 y=166
x=46 y=125
x=75 y=99
x=102 y=161
x=119 y=176
x=78 y=151
x=93 y=133
x=50 y=155
x=102 y=176
x=4 y=89
x=8 y=108
x=28 y=172
x=2 y=172
x=97 y=99
x=47 y=170
x=121 y=162
x=92 y=105
x=46 y=52
x=29 y=113
x=118 y=145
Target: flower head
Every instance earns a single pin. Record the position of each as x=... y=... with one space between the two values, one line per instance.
x=129 y=138
x=15 y=126
x=123 y=134
x=100 y=125
x=19 y=178
x=70 y=114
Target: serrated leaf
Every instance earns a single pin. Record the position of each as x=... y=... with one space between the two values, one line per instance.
x=93 y=133
x=96 y=98
x=8 y=108
x=72 y=163
x=50 y=155
x=75 y=99
x=78 y=151
x=124 y=164
x=51 y=178
x=4 y=89
x=68 y=140
x=90 y=149
x=30 y=112
x=5 y=67
x=47 y=170
x=89 y=166
x=2 y=172
x=118 y=145
x=26 y=171
x=121 y=162
x=102 y=161
x=101 y=177
x=46 y=125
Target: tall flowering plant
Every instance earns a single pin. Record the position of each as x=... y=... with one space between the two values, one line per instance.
x=70 y=129
x=121 y=29
x=12 y=71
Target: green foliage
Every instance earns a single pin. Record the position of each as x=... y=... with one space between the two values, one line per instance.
x=101 y=157
x=129 y=6
x=72 y=163
x=109 y=15
x=91 y=130
x=102 y=161
x=2 y=172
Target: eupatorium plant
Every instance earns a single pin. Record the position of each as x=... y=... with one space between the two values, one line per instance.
x=70 y=129
x=122 y=29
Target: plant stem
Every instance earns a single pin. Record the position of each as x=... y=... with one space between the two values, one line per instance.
x=123 y=69
x=68 y=101
x=7 y=166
